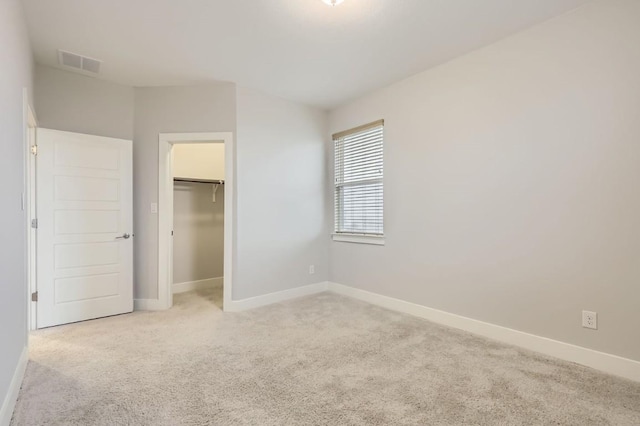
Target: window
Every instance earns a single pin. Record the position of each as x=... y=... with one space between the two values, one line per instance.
x=359 y=191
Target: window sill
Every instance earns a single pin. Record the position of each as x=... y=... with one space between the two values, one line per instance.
x=359 y=239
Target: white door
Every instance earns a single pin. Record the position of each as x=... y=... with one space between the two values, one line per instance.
x=85 y=225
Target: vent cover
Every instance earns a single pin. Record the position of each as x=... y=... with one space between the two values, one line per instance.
x=79 y=63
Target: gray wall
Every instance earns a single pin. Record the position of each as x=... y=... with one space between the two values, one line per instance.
x=210 y=108
x=16 y=60
x=280 y=162
x=511 y=182
x=77 y=103
x=73 y=102
x=281 y=187
x=198 y=225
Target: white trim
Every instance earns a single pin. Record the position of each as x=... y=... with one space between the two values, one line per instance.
x=608 y=363
x=279 y=296
x=148 y=305
x=197 y=285
x=29 y=203
x=165 y=210
x=9 y=403
x=359 y=239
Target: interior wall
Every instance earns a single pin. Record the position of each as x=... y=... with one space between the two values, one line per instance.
x=198 y=239
x=77 y=103
x=16 y=74
x=511 y=182
x=279 y=143
x=281 y=187
x=205 y=108
x=199 y=160
x=73 y=102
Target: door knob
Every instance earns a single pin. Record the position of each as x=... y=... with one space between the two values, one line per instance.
x=124 y=237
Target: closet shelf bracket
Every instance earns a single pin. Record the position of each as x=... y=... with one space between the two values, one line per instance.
x=215 y=189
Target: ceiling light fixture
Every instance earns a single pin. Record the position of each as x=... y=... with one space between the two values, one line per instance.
x=333 y=2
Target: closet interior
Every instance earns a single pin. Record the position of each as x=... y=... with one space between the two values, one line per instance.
x=198 y=220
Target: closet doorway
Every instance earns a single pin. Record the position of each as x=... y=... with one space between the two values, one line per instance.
x=195 y=216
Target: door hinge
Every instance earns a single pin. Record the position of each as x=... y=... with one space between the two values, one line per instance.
x=34 y=223
x=34 y=296
x=34 y=149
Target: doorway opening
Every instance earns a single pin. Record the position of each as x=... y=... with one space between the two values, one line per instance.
x=195 y=216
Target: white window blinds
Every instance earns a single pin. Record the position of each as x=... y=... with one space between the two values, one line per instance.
x=359 y=192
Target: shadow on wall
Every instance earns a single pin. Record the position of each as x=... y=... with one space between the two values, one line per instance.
x=198 y=242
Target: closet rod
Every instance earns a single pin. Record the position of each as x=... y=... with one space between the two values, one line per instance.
x=209 y=181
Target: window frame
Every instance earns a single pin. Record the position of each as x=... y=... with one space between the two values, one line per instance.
x=355 y=237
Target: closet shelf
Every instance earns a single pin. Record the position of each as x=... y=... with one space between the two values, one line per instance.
x=193 y=180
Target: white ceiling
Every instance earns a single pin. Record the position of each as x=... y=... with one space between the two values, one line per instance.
x=301 y=50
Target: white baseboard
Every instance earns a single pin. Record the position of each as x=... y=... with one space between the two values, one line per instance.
x=148 y=305
x=608 y=363
x=279 y=296
x=197 y=285
x=9 y=403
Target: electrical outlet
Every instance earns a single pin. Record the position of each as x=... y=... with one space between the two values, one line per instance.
x=590 y=320
x=154 y=208
x=312 y=269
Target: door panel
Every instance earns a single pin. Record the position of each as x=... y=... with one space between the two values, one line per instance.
x=86 y=287
x=83 y=255
x=78 y=221
x=85 y=268
x=77 y=188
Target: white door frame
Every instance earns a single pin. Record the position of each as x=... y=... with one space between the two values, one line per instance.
x=29 y=206
x=165 y=210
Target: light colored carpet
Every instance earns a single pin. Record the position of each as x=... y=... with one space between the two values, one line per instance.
x=320 y=360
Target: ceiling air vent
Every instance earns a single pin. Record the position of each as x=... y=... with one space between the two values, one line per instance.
x=79 y=63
